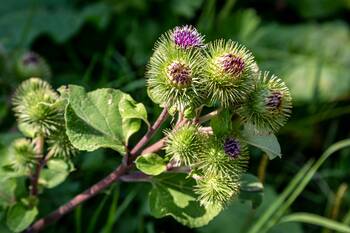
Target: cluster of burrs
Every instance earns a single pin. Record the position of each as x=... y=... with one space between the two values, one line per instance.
x=40 y=114
x=184 y=74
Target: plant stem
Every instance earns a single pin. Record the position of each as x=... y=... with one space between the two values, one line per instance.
x=136 y=177
x=73 y=203
x=155 y=147
x=39 y=150
x=102 y=184
x=162 y=117
x=208 y=116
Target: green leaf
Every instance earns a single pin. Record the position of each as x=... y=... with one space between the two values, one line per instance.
x=19 y=217
x=56 y=172
x=151 y=164
x=316 y=220
x=222 y=123
x=131 y=112
x=267 y=142
x=251 y=190
x=172 y=195
x=102 y=118
x=7 y=190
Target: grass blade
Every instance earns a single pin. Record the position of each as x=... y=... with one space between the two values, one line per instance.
x=316 y=220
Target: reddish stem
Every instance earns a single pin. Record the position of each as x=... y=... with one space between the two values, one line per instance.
x=162 y=117
x=39 y=149
x=99 y=186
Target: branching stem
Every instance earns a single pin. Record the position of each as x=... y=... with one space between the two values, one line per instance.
x=209 y=116
x=102 y=184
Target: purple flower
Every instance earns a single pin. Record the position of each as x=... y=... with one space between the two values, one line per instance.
x=187 y=37
x=274 y=99
x=232 y=147
x=232 y=64
x=179 y=74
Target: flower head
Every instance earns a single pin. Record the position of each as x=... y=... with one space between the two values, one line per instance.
x=22 y=155
x=269 y=104
x=30 y=64
x=225 y=156
x=179 y=74
x=229 y=72
x=184 y=144
x=186 y=37
x=174 y=77
x=35 y=106
x=231 y=64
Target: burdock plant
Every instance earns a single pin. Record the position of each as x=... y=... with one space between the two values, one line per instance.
x=219 y=102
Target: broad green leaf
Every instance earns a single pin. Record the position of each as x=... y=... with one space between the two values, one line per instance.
x=20 y=217
x=131 y=112
x=172 y=195
x=251 y=190
x=151 y=164
x=267 y=142
x=7 y=190
x=102 y=118
x=56 y=172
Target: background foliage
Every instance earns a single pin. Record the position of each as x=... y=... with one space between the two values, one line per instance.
x=107 y=44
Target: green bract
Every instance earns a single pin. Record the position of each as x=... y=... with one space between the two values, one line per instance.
x=22 y=155
x=269 y=104
x=184 y=145
x=219 y=170
x=30 y=64
x=174 y=76
x=36 y=107
x=229 y=72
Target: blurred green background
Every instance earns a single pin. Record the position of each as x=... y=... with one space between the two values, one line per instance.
x=107 y=44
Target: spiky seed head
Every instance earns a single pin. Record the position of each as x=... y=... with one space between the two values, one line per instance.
x=179 y=74
x=269 y=105
x=30 y=64
x=216 y=189
x=223 y=156
x=232 y=147
x=174 y=77
x=186 y=37
x=184 y=144
x=22 y=155
x=229 y=72
x=35 y=105
x=59 y=144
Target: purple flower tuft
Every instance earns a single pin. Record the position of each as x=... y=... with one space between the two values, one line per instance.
x=232 y=64
x=30 y=58
x=179 y=74
x=187 y=37
x=232 y=147
x=274 y=99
